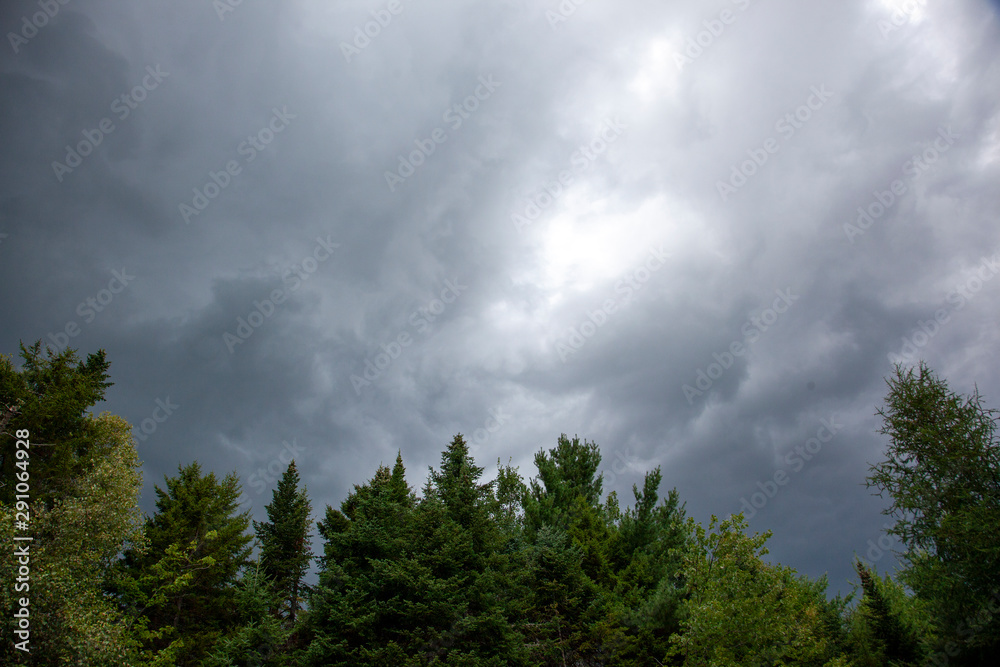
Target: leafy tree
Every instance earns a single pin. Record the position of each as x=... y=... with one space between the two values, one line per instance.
x=284 y=541
x=76 y=540
x=182 y=582
x=49 y=396
x=942 y=471
x=743 y=611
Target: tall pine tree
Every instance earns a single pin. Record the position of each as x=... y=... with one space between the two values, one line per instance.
x=284 y=541
x=182 y=583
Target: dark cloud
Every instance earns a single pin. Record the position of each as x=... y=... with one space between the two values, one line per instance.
x=538 y=161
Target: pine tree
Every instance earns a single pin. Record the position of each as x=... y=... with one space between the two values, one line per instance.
x=894 y=638
x=407 y=582
x=49 y=396
x=565 y=472
x=646 y=555
x=564 y=602
x=358 y=611
x=260 y=638
x=284 y=540
x=467 y=502
x=183 y=581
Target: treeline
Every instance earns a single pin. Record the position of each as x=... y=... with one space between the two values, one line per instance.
x=548 y=571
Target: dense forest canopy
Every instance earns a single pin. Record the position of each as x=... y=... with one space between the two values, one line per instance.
x=547 y=570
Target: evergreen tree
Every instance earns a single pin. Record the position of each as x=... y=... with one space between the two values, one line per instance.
x=565 y=472
x=284 y=540
x=466 y=502
x=49 y=396
x=564 y=602
x=259 y=638
x=887 y=626
x=358 y=611
x=647 y=555
x=407 y=582
x=183 y=581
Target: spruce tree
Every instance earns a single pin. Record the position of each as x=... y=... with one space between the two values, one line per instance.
x=361 y=612
x=284 y=541
x=182 y=584
x=49 y=396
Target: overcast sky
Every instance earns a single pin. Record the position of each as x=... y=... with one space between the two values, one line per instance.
x=696 y=233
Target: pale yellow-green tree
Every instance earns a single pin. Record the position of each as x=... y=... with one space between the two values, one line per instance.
x=74 y=543
x=744 y=611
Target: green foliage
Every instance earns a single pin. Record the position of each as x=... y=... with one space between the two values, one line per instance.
x=259 y=637
x=743 y=611
x=564 y=601
x=566 y=472
x=942 y=471
x=412 y=583
x=182 y=581
x=480 y=573
x=284 y=541
x=647 y=555
x=888 y=627
x=75 y=542
x=49 y=395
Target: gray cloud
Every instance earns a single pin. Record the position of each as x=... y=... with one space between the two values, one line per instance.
x=498 y=348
